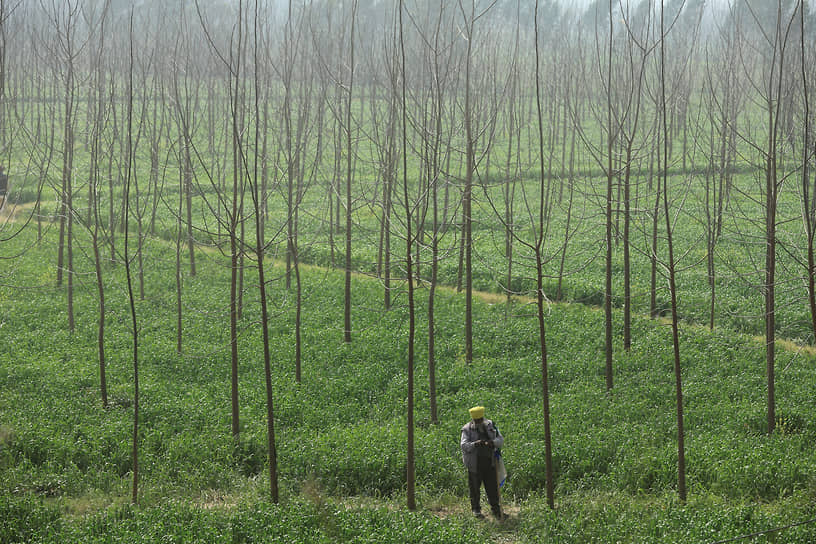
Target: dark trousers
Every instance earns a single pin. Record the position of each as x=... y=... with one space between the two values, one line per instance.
x=485 y=474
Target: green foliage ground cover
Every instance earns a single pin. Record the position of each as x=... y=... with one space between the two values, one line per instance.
x=65 y=462
x=739 y=254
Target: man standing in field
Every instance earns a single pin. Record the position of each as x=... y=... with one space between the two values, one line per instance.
x=480 y=439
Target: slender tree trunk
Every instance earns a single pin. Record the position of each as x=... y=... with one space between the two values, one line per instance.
x=627 y=265
x=545 y=388
x=388 y=184
x=111 y=180
x=431 y=302
x=388 y=205
x=654 y=311
x=460 y=270
x=154 y=179
x=410 y=463
x=290 y=166
x=681 y=455
x=770 y=268
x=93 y=210
x=100 y=286
x=179 y=240
x=347 y=298
x=69 y=209
x=139 y=239
x=509 y=191
x=128 y=274
x=334 y=184
x=188 y=193
x=711 y=229
x=264 y=168
x=45 y=165
x=571 y=185
x=551 y=133
x=774 y=105
x=66 y=207
x=298 y=316
x=807 y=154
x=609 y=187
x=233 y=329
x=470 y=168
x=63 y=212
x=234 y=218
x=434 y=188
x=272 y=453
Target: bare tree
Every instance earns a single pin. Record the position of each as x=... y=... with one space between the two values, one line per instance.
x=539 y=236
x=186 y=80
x=773 y=184
x=286 y=71
x=231 y=57
x=128 y=273
x=681 y=454
x=470 y=17
x=349 y=177
x=260 y=248
x=235 y=213
x=808 y=186
x=532 y=234
x=434 y=134
x=769 y=27
x=66 y=49
x=96 y=100
x=604 y=153
x=185 y=93
x=296 y=112
x=409 y=240
x=512 y=168
x=637 y=53
x=723 y=95
x=384 y=131
x=610 y=138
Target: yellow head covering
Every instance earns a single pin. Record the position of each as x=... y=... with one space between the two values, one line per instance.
x=476 y=412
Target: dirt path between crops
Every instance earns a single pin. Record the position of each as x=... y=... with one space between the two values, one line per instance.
x=15 y=213
x=502 y=532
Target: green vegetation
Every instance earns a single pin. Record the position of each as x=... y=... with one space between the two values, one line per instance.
x=65 y=462
x=738 y=255
x=178 y=124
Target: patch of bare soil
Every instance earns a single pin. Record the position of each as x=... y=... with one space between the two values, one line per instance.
x=11 y=212
x=447 y=511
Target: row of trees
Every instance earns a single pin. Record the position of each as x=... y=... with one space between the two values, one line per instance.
x=207 y=124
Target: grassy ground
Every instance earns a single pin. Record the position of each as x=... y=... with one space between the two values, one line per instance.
x=66 y=466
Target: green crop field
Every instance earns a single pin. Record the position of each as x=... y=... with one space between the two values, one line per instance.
x=152 y=154
x=65 y=461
